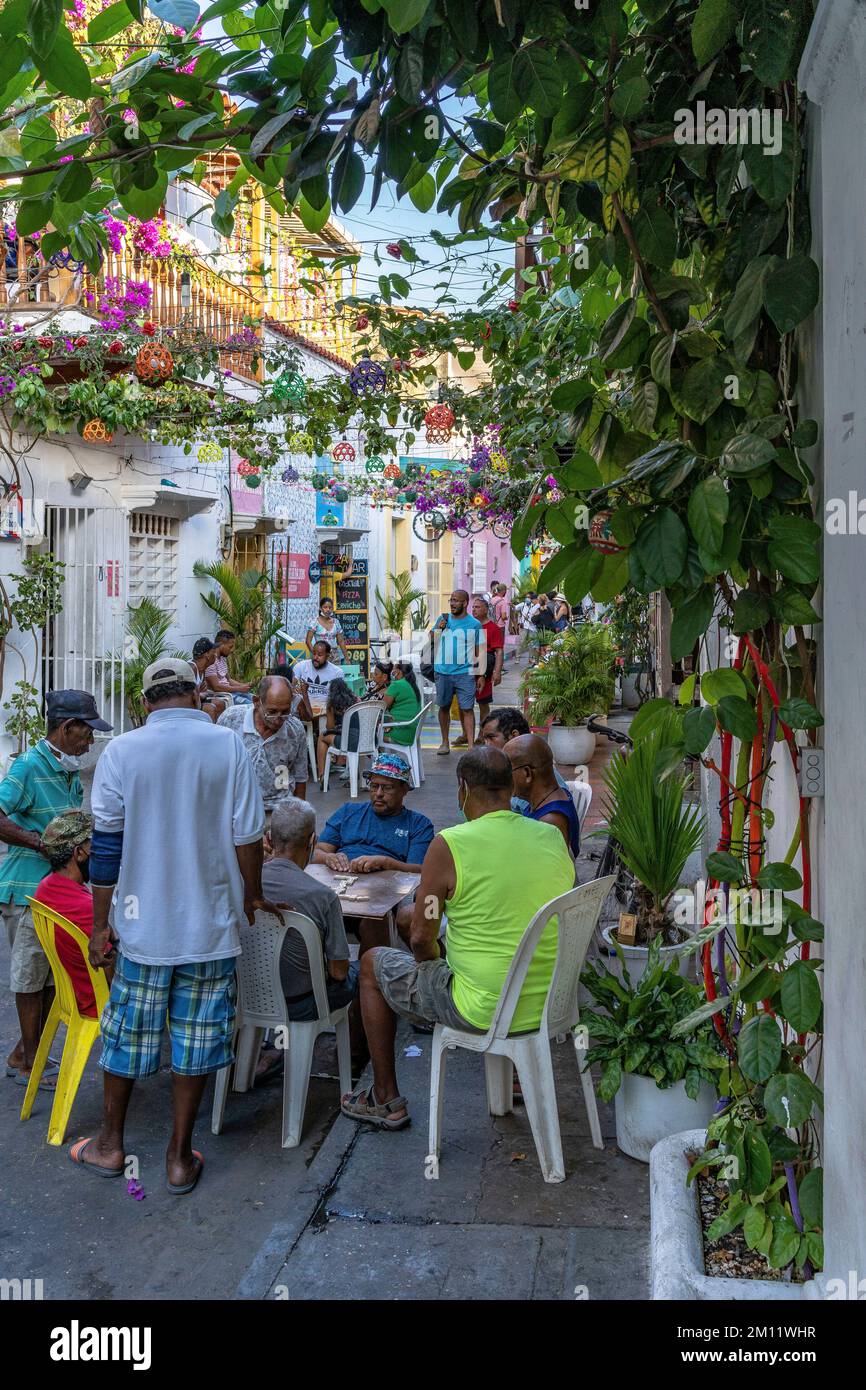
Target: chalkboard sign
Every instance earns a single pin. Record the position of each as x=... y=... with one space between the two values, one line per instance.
x=351 y=592
x=355 y=629
x=360 y=656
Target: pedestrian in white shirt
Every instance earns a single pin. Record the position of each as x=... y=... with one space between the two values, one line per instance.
x=177 y=850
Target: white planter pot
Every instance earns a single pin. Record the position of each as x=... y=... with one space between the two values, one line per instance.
x=571 y=745
x=630 y=696
x=636 y=957
x=677 y=1249
x=645 y=1114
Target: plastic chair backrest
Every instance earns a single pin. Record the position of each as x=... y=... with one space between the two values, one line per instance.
x=367 y=719
x=581 y=795
x=45 y=919
x=259 y=986
x=577 y=912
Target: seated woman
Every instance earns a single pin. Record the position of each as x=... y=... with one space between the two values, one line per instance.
x=402 y=699
x=340 y=699
x=380 y=679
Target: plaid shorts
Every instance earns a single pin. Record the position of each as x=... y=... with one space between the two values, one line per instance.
x=197 y=1001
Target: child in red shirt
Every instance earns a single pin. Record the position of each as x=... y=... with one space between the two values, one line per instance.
x=66 y=840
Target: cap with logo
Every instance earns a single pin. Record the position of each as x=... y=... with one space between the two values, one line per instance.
x=67 y=831
x=390 y=765
x=73 y=704
x=166 y=671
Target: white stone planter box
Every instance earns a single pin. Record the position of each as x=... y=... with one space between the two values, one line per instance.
x=677 y=1246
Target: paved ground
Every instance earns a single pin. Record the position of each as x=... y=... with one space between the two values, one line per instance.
x=347 y=1215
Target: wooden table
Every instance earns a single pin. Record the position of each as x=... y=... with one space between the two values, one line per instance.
x=371 y=895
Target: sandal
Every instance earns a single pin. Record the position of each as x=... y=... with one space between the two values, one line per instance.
x=76 y=1155
x=179 y=1188
x=369 y=1111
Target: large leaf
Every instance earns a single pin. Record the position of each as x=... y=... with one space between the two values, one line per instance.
x=65 y=68
x=404 y=15
x=759 y=1048
x=701 y=390
x=811 y=1194
x=738 y=717
x=747 y=453
x=751 y=611
x=43 y=26
x=791 y=292
x=772 y=175
x=793 y=549
x=801 y=996
x=143 y=203
x=699 y=725
x=770 y=40
x=724 y=681
x=661 y=545
x=603 y=158
x=691 y=620
x=788 y=1098
x=655 y=235
x=109 y=22
x=759 y=1163
x=799 y=714
x=712 y=26
x=708 y=511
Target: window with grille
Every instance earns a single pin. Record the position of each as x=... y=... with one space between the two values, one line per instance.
x=153 y=542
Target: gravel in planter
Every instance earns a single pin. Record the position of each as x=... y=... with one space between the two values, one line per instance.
x=730 y=1257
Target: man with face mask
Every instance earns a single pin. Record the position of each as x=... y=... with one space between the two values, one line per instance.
x=40 y=784
x=66 y=840
x=275 y=741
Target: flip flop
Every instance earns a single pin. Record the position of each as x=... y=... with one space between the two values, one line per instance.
x=47 y=1081
x=51 y=1065
x=442 y=751
x=178 y=1189
x=76 y=1155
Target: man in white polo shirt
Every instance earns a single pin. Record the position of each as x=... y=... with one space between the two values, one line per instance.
x=181 y=883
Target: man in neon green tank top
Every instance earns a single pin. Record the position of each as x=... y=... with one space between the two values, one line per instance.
x=491 y=875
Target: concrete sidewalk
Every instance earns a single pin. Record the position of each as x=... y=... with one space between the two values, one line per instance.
x=348 y=1214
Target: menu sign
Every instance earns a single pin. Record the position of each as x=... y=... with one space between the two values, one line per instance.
x=351 y=592
x=354 y=627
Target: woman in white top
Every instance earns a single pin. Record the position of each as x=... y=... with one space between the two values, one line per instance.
x=327 y=625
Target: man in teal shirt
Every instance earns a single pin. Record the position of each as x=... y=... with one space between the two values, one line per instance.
x=459 y=656
x=40 y=784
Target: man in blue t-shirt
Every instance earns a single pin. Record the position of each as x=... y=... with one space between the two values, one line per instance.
x=459 y=658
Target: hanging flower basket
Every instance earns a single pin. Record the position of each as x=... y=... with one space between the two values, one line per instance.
x=253 y=480
x=290 y=475
x=95 y=432
x=319 y=481
x=367 y=377
x=153 y=363
x=343 y=452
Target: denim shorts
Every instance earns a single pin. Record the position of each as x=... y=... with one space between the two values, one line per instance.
x=418 y=990
x=463 y=686
x=196 y=1000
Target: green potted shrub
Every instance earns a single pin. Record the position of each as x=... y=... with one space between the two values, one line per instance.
x=660 y=1084
x=655 y=830
x=630 y=630
x=572 y=681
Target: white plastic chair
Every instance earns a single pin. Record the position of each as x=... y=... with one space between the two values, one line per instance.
x=410 y=751
x=577 y=912
x=581 y=795
x=367 y=719
x=262 y=1004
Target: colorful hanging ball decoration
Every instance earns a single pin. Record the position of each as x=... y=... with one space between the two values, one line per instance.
x=391 y=470
x=64 y=260
x=437 y=434
x=300 y=442
x=367 y=377
x=290 y=386
x=95 y=432
x=340 y=494
x=319 y=481
x=153 y=363
x=374 y=464
x=290 y=475
x=343 y=452
x=498 y=461
x=253 y=480
x=210 y=452
x=440 y=417
x=601 y=535
x=245 y=468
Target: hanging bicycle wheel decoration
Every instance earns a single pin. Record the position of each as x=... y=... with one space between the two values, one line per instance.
x=290 y=386
x=343 y=452
x=429 y=526
x=601 y=536
x=64 y=260
x=367 y=378
x=502 y=529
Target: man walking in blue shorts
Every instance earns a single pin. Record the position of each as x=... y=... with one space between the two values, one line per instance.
x=459 y=657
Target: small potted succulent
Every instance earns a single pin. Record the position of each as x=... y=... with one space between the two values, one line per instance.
x=660 y=1084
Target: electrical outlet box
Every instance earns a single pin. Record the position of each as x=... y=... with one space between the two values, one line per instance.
x=811 y=771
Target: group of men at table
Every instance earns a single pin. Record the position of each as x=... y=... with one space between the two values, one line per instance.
x=170 y=889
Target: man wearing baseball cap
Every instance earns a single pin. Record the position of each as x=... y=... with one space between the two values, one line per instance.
x=40 y=784
x=181 y=885
x=66 y=841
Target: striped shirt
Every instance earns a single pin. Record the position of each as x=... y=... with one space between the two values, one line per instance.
x=33 y=792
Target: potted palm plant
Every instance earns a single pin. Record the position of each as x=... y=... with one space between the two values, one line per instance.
x=655 y=830
x=147 y=627
x=572 y=681
x=394 y=608
x=660 y=1084
x=246 y=604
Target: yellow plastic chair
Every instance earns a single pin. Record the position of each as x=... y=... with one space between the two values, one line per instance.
x=81 y=1032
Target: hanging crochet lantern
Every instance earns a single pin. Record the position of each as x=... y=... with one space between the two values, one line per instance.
x=319 y=480
x=601 y=536
x=440 y=417
x=153 y=363
x=290 y=386
x=391 y=470
x=436 y=434
x=300 y=442
x=367 y=377
x=374 y=464
x=95 y=432
x=210 y=452
x=253 y=480
x=343 y=452
x=290 y=475
x=411 y=495
x=340 y=494
x=245 y=468
x=498 y=461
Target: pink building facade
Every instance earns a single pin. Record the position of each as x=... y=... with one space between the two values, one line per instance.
x=481 y=559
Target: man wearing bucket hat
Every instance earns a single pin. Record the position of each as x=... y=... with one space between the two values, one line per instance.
x=367 y=836
x=66 y=840
x=39 y=785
